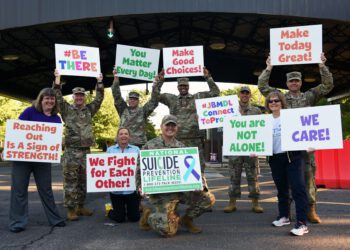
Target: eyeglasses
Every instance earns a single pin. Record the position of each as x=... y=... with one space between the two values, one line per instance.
x=274 y=100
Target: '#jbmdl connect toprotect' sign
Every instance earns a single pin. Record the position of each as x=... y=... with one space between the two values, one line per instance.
x=170 y=170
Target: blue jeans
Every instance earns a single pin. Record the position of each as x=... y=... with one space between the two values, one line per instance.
x=289 y=172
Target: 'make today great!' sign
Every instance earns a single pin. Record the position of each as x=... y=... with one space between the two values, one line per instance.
x=313 y=127
x=137 y=63
x=74 y=60
x=296 y=45
x=183 y=61
x=111 y=172
x=33 y=141
x=170 y=170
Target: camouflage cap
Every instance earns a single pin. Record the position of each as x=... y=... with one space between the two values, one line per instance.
x=182 y=81
x=135 y=95
x=293 y=75
x=245 y=88
x=78 y=90
x=169 y=119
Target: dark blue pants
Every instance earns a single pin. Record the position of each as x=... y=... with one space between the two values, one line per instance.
x=285 y=174
x=125 y=206
x=21 y=172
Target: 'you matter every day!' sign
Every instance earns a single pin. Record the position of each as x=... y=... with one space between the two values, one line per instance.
x=136 y=62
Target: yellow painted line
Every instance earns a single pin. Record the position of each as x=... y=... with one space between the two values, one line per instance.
x=245 y=185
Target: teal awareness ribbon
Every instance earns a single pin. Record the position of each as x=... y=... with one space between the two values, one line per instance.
x=190 y=168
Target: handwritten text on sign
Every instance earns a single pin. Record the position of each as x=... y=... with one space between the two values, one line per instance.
x=212 y=111
x=246 y=135
x=77 y=60
x=137 y=63
x=111 y=172
x=311 y=127
x=33 y=141
x=183 y=61
x=296 y=45
x=170 y=170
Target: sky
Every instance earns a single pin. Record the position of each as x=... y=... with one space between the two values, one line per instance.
x=171 y=87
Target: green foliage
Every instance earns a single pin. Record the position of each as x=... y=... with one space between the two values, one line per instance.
x=10 y=109
x=257 y=99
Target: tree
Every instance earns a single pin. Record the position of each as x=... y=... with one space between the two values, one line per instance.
x=257 y=98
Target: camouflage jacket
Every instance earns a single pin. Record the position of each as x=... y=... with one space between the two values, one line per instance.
x=156 y=143
x=78 y=122
x=249 y=109
x=184 y=108
x=306 y=99
x=134 y=119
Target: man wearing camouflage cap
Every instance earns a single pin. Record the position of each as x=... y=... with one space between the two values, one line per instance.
x=162 y=216
x=131 y=115
x=78 y=140
x=184 y=108
x=296 y=99
x=236 y=163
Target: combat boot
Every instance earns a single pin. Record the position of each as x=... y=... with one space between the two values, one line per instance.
x=143 y=223
x=255 y=206
x=231 y=206
x=187 y=222
x=72 y=215
x=312 y=215
x=82 y=211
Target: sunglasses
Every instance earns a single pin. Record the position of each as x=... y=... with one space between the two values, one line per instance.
x=274 y=100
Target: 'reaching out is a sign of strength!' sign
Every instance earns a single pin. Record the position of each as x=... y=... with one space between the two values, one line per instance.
x=111 y=172
x=33 y=141
x=170 y=170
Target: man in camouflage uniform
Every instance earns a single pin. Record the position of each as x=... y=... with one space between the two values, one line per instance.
x=297 y=99
x=184 y=108
x=162 y=216
x=131 y=115
x=236 y=163
x=78 y=139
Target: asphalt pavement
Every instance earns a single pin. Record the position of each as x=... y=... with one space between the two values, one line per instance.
x=242 y=229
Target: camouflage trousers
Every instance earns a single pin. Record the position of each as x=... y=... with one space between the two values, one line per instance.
x=164 y=218
x=74 y=176
x=310 y=174
x=236 y=165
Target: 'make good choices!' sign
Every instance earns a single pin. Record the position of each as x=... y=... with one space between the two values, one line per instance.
x=74 y=60
x=212 y=111
x=183 y=61
x=137 y=63
x=170 y=170
x=246 y=135
x=296 y=45
x=111 y=172
x=33 y=141
x=313 y=127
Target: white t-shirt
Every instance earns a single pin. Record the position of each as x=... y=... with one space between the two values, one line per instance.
x=277 y=148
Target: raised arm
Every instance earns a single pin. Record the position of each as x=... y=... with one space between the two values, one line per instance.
x=119 y=103
x=57 y=86
x=326 y=84
x=95 y=105
x=155 y=96
x=213 y=88
x=263 y=80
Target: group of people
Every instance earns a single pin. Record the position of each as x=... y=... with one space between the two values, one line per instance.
x=290 y=170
